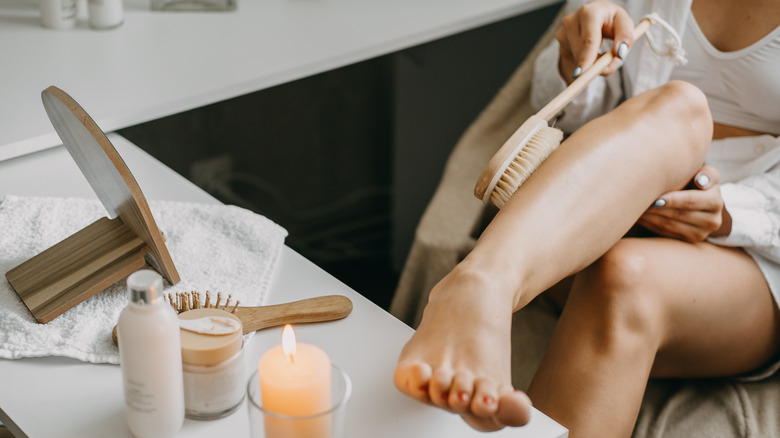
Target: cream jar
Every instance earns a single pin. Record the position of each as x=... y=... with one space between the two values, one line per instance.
x=212 y=362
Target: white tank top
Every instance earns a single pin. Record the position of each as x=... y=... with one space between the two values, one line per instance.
x=743 y=86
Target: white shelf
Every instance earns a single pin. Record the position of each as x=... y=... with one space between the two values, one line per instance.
x=161 y=63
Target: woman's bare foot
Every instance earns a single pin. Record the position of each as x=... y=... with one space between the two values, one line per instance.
x=459 y=358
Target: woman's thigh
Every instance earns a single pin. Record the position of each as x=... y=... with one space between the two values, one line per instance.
x=716 y=313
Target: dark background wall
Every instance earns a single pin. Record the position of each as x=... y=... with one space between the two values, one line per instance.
x=347 y=160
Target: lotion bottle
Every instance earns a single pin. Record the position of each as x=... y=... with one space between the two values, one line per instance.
x=150 y=359
x=105 y=14
x=58 y=14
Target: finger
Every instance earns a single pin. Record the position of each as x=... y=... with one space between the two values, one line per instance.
x=706 y=177
x=691 y=200
x=666 y=227
x=658 y=230
x=568 y=40
x=623 y=37
x=586 y=47
x=705 y=221
x=693 y=223
x=566 y=63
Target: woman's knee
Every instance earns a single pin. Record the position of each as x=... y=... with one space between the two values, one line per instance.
x=678 y=112
x=617 y=286
x=688 y=104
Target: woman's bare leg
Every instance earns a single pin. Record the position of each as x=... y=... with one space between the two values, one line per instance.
x=652 y=307
x=575 y=207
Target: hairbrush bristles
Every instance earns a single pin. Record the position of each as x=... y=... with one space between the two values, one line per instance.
x=184 y=301
x=534 y=141
x=530 y=157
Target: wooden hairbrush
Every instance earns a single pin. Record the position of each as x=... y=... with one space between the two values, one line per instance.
x=317 y=309
x=534 y=140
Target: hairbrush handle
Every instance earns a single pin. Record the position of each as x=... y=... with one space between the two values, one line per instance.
x=560 y=101
x=317 y=309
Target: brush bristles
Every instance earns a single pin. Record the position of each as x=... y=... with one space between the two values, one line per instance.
x=538 y=148
x=184 y=301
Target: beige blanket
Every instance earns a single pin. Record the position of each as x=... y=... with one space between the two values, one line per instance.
x=674 y=408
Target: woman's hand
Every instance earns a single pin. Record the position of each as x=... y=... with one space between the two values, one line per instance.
x=583 y=32
x=692 y=214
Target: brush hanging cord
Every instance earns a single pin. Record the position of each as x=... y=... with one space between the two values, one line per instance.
x=669 y=48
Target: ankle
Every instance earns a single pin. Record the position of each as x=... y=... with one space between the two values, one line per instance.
x=485 y=282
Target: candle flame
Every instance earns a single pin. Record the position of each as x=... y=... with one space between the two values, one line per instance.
x=288 y=342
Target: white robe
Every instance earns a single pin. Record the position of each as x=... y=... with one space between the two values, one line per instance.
x=749 y=166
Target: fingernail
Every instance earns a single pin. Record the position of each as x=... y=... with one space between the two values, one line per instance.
x=488 y=400
x=576 y=73
x=622 y=50
x=703 y=180
x=463 y=396
x=659 y=203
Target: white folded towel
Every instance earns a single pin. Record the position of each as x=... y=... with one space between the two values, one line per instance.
x=215 y=248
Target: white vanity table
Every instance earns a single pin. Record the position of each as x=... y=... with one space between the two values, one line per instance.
x=56 y=397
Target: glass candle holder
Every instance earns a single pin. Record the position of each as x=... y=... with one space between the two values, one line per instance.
x=330 y=423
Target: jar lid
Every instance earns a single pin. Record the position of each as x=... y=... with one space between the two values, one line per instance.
x=208 y=349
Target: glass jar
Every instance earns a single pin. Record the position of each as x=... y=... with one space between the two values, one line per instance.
x=213 y=368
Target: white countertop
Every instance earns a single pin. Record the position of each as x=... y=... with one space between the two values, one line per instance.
x=162 y=63
x=58 y=397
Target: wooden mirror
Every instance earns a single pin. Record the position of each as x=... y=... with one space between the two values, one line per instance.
x=105 y=251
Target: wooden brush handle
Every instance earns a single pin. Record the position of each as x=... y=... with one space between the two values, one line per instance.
x=327 y=308
x=560 y=101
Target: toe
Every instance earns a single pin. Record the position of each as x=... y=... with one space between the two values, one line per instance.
x=491 y=413
x=413 y=379
x=514 y=408
x=439 y=390
x=461 y=392
x=485 y=399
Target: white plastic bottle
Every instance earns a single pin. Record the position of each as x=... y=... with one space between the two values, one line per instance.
x=58 y=14
x=150 y=359
x=105 y=14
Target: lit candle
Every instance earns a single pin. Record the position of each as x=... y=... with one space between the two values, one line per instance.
x=295 y=381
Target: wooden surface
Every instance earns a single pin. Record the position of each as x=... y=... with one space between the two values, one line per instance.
x=77 y=268
x=317 y=309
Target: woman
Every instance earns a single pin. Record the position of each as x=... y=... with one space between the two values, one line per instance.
x=698 y=299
